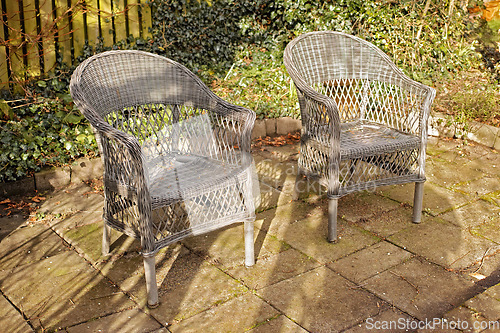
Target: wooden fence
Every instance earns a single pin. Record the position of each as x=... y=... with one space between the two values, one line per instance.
x=35 y=33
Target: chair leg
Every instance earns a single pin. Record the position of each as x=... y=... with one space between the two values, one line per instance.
x=417 y=202
x=151 y=287
x=332 y=220
x=249 y=245
x=106 y=239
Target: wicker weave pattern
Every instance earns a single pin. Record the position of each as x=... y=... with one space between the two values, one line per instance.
x=176 y=156
x=364 y=121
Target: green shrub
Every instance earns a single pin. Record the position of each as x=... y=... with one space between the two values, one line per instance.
x=45 y=132
x=471 y=97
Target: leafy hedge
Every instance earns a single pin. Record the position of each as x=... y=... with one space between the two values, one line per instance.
x=45 y=131
x=236 y=47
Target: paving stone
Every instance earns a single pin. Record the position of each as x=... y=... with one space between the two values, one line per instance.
x=207 y=288
x=370 y=261
x=61 y=291
x=77 y=197
x=465 y=319
x=127 y=321
x=473 y=151
x=272 y=269
x=443 y=243
x=488 y=230
x=473 y=214
x=445 y=173
x=280 y=172
x=271 y=198
x=363 y=205
x=279 y=324
x=494 y=324
x=438 y=148
x=237 y=315
x=494 y=291
x=74 y=220
x=28 y=244
x=487 y=306
x=309 y=190
x=321 y=301
x=451 y=150
x=389 y=223
x=486 y=273
x=187 y=284
x=10 y=319
x=88 y=241
x=190 y=286
x=479 y=187
x=308 y=234
x=494 y=198
x=421 y=289
x=126 y=268
x=226 y=247
x=388 y=320
x=280 y=218
x=436 y=199
x=490 y=162
x=276 y=173
x=446 y=329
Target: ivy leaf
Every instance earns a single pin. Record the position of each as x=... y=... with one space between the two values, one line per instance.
x=72 y=119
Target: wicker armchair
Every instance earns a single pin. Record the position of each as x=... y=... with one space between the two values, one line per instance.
x=364 y=123
x=176 y=157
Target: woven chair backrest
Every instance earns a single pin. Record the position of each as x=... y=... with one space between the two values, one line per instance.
x=112 y=81
x=325 y=56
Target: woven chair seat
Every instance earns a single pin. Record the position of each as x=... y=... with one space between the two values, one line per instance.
x=178 y=177
x=358 y=139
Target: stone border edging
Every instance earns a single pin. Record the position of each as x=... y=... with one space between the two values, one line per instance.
x=56 y=177
x=275 y=126
x=487 y=135
x=86 y=169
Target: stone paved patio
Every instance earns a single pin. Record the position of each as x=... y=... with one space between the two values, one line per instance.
x=383 y=270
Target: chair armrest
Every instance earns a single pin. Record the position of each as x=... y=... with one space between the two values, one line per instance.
x=319 y=112
x=123 y=160
x=245 y=119
x=125 y=174
x=420 y=106
x=235 y=125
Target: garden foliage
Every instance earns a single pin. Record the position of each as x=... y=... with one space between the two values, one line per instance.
x=236 y=47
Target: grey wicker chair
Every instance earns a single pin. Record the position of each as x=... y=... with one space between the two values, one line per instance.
x=364 y=123
x=176 y=157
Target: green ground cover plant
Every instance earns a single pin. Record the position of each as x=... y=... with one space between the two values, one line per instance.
x=236 y=47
